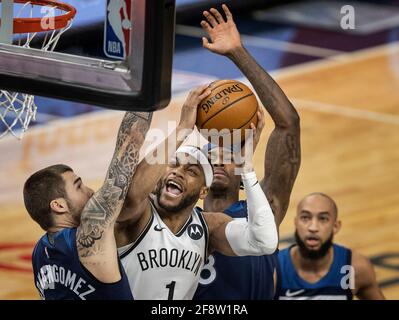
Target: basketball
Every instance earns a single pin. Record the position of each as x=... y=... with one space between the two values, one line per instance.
x=231 y=105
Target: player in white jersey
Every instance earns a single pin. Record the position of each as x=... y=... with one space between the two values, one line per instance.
x=155 y=256
x=163 y=241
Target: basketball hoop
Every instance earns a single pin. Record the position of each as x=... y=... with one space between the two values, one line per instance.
x=18 y=109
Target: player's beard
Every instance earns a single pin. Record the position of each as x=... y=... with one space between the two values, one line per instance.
x=219 y=190
x=185 y=202
x=314 y=254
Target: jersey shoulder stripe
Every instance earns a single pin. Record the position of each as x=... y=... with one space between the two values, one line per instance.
x=188 y=222
x=201 y=217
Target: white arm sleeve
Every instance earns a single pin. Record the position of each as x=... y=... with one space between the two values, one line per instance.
x=259 y=235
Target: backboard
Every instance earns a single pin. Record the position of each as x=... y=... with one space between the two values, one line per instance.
x=116 y=53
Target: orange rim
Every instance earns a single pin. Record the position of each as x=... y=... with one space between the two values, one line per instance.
x=30 y=25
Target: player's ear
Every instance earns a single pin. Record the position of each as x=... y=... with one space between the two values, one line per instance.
x=296 y=220
x=203 y=193
x=337 y=226
x=59 y=205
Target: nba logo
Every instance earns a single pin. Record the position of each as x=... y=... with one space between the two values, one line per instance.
x=118 y=25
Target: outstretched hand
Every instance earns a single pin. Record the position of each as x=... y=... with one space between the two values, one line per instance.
x=188 y=115
x=244 y=157
x=224 y=35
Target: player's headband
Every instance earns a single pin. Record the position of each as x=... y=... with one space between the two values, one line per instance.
x=232 y=148
x=199 y=157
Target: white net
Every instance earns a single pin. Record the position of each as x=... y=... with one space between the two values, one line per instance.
x=17 y=110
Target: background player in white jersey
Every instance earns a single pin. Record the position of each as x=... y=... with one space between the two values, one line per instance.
x=164 y=240
x=317 y=268
x=249 y=277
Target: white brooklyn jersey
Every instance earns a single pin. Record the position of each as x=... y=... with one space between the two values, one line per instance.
x=163 y=265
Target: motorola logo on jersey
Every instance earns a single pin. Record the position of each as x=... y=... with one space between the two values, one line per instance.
x=195 y=231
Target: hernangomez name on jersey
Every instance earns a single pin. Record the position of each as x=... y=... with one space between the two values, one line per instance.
x=161 y=265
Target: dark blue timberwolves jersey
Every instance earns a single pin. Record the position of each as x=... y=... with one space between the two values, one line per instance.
x=238 y=278
x=332 y=286
x=59 y=274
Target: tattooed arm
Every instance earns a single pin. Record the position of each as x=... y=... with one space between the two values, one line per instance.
x=282 y=156
x=95 y=236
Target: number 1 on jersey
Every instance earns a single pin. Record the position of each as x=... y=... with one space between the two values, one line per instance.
x=171 y=287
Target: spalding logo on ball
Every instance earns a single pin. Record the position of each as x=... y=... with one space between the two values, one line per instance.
x=231 y=105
